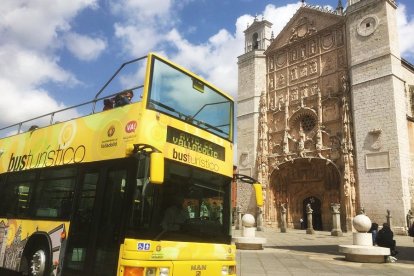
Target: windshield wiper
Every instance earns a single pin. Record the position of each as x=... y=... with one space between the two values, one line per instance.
x=180 y=115
x=210 y=126
x=192 y=117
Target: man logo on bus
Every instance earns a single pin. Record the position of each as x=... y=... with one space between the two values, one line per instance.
x=131 y=126
x=111 y=131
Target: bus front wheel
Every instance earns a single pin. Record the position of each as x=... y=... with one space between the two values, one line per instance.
x=38 y=262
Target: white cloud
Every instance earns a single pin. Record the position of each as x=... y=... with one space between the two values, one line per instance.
x=144 y=8
x=31 y=32
x=280 y=16
x=85 y=47
x=137 y=41
x=406 y=31
x=215 y=59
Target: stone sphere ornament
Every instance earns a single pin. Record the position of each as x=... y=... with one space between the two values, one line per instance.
x=248 y=220
x=361 y=223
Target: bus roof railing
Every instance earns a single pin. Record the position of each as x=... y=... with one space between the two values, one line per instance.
x=94 y=101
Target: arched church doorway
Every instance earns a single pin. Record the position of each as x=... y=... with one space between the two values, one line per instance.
x=315 y=204
x=301 y=181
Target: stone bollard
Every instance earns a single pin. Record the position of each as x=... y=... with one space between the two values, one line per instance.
x=248 y=226
x=283 y=218
x=248 y=240
x=362 y=250
x=309 y=211
x=336 y=220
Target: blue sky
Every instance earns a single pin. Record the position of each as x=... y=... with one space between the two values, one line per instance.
x=58 y=53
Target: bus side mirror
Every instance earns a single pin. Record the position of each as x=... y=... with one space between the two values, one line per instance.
x=259 y=194
x=157 y=168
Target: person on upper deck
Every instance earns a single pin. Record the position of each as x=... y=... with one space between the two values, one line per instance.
x=124 y=98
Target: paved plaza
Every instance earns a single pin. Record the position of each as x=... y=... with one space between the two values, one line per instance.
x=298 y=253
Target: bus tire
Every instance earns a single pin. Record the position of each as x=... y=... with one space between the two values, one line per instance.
x=39 y=261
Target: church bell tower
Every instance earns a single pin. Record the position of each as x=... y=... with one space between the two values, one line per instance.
x=251 y=84
x=379 y=108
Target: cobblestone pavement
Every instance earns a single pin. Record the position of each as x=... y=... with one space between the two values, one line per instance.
x=298 y=253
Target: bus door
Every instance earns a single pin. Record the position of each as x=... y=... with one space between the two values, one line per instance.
x=96 y=225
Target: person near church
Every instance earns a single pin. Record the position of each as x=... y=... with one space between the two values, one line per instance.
x=385 y=238
x=374 y=231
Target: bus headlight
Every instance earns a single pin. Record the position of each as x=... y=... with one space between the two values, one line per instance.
x=228 y=270
x=150 y=271
x=164 y=271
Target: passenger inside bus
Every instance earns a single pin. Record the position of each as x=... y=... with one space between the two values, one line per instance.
x=175 y=215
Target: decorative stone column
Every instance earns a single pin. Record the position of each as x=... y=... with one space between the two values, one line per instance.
x=389 y=218
x=283 y=217
x=409 y=218
x=336 y=220
x=259 y=224
x=309 y=211
x=239 y=218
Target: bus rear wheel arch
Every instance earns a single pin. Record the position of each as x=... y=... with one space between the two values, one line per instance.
x=37 y=255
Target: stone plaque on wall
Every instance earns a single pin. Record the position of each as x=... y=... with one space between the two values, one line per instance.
x=245 y=171
x=378 y=160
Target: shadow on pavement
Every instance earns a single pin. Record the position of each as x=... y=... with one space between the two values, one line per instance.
x=405 y=254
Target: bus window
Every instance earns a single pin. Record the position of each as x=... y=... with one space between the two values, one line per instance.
x=3 y=196
x=107 y=243
x=81 y=226
x=15 y=195
x=54 y=193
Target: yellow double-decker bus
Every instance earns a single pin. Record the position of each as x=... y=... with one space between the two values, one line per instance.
x=138 y=189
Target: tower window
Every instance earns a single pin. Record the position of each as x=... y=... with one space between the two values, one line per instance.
x=255 y=39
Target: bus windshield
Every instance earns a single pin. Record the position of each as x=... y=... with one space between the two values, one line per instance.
x=192 y=205
x=181 y=95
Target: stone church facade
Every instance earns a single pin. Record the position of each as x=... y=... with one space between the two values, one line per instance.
x=325 y=116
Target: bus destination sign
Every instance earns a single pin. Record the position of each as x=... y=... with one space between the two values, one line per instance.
x=194 y=143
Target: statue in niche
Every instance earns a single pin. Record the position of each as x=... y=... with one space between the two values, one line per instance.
x=304 y=71
x=293 y=35
x=271 y=63
x=283 y=207
x=294 y=94
x=313 y=67
x=294 y=74
x=313 y=47
x=353 y=195
x=344 y=82
x=314 y=89
x=294 y=55
x=304 y=91
x=301 y=143
x=308 y=208
x=272 y=102
x=303 y=51
x=281 y=80
x=281 y=101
